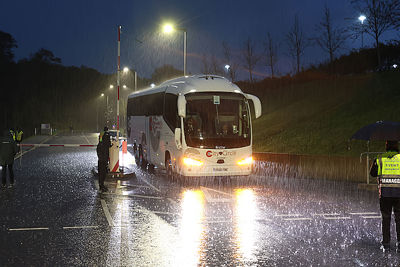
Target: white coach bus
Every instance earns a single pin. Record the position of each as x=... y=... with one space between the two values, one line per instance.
x=193 y=126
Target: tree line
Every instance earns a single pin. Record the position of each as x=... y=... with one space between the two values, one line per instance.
x=39 y=89
x=381 y=16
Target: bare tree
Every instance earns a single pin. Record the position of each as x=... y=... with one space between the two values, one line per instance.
x=206 y=66
x=296 y=42
x=216 y=66
x=331 y=39
x=380 y=17
x=250 y=57
x=271 y=53
x=229 y=61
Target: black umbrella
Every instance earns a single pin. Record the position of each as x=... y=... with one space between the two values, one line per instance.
x=379 y=131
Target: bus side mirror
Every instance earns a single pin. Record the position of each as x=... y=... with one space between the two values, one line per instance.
x=182 y=106
x=256 y=103
x=178 y=138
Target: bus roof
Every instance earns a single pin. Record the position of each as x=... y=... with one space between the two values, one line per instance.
x=191 y=84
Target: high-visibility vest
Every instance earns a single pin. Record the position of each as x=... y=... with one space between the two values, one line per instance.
x=389 y=174
x=19 y=136
x=101 y=136
x=12 y=134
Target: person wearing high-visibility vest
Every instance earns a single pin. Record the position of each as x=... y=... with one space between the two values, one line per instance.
x=8 y=149
x=18 y=135
x=103 y=155
x=386 y=168
x=12 y=132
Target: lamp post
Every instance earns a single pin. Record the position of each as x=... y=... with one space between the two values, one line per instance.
x=97 y=117
x=126 y=70
x=168 y=28
x=362 y=18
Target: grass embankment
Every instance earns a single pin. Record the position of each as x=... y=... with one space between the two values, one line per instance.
x=320 y=116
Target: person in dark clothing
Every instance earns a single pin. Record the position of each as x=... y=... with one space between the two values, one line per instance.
x=8 y=149
x=103 y=154
x=387 y=168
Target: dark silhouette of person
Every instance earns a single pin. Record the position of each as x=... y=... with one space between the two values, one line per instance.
x=103 y=154
x=8 y=149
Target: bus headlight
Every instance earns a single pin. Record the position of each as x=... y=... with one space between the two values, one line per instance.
x=246 y=161
x=192 y=162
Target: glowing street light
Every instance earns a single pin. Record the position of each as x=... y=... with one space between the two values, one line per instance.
x=152 y=85
x=111 y=86
x=102 y=94
x=227 y=67
x=169 y=28
x=362 y=18
x=124 y=86
x=126 y=69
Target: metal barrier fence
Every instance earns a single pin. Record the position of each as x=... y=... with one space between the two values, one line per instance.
x=312 y=166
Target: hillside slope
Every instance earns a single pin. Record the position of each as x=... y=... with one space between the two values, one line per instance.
x=319 y=117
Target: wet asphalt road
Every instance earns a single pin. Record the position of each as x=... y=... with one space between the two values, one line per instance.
x=54 y=216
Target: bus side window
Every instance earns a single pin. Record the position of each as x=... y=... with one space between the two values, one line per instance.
x=171 y=111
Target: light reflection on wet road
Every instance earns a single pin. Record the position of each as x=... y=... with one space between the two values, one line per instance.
x=54 y=216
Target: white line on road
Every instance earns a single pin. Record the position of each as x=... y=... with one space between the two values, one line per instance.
x=337 y=218
x=107 y=212
x=172 y=201
x=87 y=139
x=96 y=184
x=28 y=229
x=287 y=215
x=81 y=227
x=297 y=219
x=215 y=190
x=131 y=195
x=152 y=186
x=363 y=213
x=325 y=214
x=371 y=217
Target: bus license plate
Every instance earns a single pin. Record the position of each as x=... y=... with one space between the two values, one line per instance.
x=220 y=169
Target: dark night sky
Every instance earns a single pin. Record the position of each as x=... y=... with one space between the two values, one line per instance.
x=84 y=32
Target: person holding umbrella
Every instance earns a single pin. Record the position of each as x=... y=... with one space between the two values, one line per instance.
x=387 y=168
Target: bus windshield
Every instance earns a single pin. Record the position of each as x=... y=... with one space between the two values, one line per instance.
x=217 y=120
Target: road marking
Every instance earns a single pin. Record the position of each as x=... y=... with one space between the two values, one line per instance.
x=28 y=229
x=81 y=227
x=19 y=155
x=107 y=212
x=371 y=217
x=96 y=184
x=210 y=199
x=172 y=201
x=224 y=221
x=297 y=219
x=337 y=218
x=131 y=195
x=287 y=215
x=87 y=139
x=363 y=213
x=326 y=214
x=215 y=190
x=152 y=186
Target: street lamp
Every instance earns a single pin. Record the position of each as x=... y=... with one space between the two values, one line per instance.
x=126 y=70
x=362 y=18
x=111 y=86
x=169 y=28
